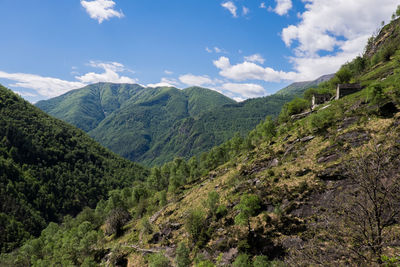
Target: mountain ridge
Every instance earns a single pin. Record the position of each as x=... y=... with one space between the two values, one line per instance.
x=154 y=125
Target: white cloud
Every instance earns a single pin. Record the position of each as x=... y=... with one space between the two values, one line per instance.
x=165 y=82
x=45 y=86
x=250 y=71
x=339 y=27
x=245 y=10
x=217 y=49
x=246 y=90
x=101 y=10
x=168 y=72
x=283 y=7
x=208 y=50
x=110 y=74
x=191 y=79
x=27 y=94
x=255 y=58
x=262 y=5
x=239 y=99
x=230 y=6
x=51 y=87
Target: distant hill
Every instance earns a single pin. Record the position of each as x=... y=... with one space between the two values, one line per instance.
x=49 y=169
x=154 y=125
x=298 y=88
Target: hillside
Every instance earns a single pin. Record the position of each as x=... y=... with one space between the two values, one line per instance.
x=298 y=88
x=154 y=125
x=49 y=169
x=322 y=190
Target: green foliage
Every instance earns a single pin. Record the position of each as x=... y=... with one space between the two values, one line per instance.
x=212 y=202
x=295 y=106
x=49 y=169
x=248 y=207
x=182 y=258
x=195 y=225
x=261 y=261
x=343 y=75
x=154 y=125
x=158 y=260
x=242 y=260
x=205 y=263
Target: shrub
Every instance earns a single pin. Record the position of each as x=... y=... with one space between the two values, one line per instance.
x=116 y=220
x=212 y=202
x=158 y=260
x=194 y=224
x=182 y=258
x=261 y=261
x=242 y=260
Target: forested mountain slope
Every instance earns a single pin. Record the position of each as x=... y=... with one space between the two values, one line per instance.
x=322 y=190
x=49 y=169
x=154 y=125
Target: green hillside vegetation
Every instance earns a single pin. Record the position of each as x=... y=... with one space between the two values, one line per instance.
x=321 y=191
x=154 y=125
x=49 y=169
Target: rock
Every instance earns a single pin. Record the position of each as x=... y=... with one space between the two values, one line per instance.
x=300 y=116
x=333 y=173
x=274 y=162
x=355 y=138
x=228 y=257
x=292 y=242
x=302 y=172
x=307 y=138
x=328 y=158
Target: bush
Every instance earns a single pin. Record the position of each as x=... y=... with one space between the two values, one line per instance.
x=158 y=260
x=195 y=224
x=182 y=258
x=116 y=220
x=343 y=75
x=261 y=261
x=212 y=202
x=242 y=260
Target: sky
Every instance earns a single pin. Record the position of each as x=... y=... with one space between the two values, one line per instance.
x=241 y=48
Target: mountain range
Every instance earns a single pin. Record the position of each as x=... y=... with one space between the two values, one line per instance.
x=154 y=125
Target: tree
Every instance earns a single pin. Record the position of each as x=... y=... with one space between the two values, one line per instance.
x=212 y=202
x=373 y=204
x=116 y=220
x=194 y=224
x=182 y=258
x=343 y=75
x=248 y=207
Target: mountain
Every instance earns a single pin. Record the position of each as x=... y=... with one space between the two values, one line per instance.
x=154 y=125
x=49 y=169
x=298 y=88
x=319 y=190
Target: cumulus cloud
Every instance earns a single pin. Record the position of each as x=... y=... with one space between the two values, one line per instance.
x=165 y=82
x=101 y=10
x=110 y=74
x=168 y=72
x=246 y=90
x=255 y=58
x=339 y=27
x=231 y=7
x=195 y=80
x=250 y=71
x=51 y=87
x=282 y=7
x=45 y=86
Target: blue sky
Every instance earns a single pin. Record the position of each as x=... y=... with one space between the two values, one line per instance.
x=240 y=48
